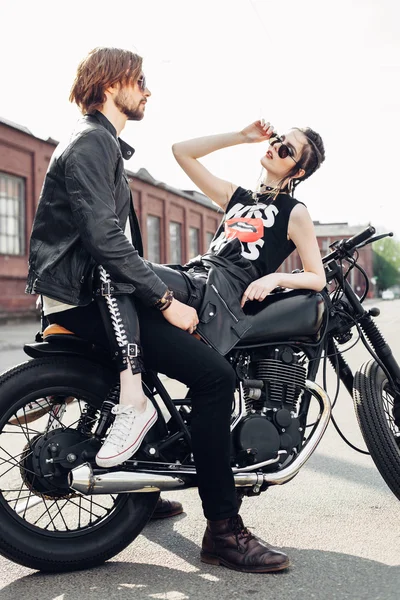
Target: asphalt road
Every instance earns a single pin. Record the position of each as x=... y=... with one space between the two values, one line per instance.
x=337 y=520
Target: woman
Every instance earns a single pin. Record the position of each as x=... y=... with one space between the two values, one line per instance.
x=269 y=223
x=259 y=230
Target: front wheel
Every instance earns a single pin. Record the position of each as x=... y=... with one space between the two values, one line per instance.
x=48 y=405
x=374 y=401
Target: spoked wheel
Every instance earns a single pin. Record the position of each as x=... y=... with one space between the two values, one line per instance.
x=48 y=409
x=374 y=402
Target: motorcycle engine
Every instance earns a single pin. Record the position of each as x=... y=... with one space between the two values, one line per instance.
x=272 y=381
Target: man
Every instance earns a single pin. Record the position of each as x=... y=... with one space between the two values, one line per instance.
x=84 y=207
x=80 y=249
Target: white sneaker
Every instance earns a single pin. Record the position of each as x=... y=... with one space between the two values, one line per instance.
x=126 y=434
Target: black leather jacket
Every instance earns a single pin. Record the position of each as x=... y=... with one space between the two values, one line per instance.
x=81 y=217
x=222 y=322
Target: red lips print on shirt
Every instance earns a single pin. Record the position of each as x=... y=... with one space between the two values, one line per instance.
x=246 y=230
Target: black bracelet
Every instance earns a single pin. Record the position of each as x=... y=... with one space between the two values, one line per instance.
x=164 y=302
x=166 y=305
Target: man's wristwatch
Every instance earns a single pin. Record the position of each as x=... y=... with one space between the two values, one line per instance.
x=164 y=302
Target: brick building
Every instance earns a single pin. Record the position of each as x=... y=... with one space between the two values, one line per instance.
x=23 y=164
x=176 y=224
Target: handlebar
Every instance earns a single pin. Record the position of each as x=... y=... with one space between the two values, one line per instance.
x=375 y=239
x=344 y=247
x=359 y=238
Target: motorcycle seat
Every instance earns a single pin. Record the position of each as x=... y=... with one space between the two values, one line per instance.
x=56 y=333
x=56 y=339
x=294 y=315
x=55 y=329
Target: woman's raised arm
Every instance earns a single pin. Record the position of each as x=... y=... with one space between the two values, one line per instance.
x=187 y=154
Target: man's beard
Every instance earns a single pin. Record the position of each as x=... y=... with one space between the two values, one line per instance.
x=133 y=114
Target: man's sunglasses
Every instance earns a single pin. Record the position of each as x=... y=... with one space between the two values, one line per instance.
x=142 y=83
x=283 y=151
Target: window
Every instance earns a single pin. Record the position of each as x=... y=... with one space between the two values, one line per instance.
x=153 y=239
x=325 y=245
x=209 y=238
x=194 y=242
x=175 y=242
x=12 y=215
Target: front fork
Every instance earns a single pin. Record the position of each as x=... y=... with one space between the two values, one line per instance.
x=374 y=336
x=380 y=347
x=382 y=351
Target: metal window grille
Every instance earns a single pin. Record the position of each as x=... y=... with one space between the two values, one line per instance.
x=12 y=215
x=175 y=241
x=154 y=239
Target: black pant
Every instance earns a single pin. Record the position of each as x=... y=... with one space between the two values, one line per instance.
x=211 y=379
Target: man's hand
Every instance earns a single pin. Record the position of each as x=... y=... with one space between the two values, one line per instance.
x=260 y=288
x=182 y=316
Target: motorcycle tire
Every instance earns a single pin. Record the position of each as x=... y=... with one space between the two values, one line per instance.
x=369 y=387
x=90 y=546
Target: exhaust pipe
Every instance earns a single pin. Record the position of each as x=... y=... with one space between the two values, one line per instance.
x=83 y=480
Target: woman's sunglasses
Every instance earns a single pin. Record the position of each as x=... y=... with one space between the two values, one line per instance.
x=142 y=83
x=283 y=151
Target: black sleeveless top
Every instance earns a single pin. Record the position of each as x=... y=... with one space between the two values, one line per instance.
x=259 y=227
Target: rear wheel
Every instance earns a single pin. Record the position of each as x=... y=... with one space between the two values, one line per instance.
x=374 y=402
x=46 y=406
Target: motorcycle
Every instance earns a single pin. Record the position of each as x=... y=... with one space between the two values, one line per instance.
x=60 y=512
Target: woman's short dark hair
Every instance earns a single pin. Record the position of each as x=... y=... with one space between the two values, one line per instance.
x=102 y=68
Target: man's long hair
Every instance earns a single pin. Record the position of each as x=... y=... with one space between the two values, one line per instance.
x=102 y=68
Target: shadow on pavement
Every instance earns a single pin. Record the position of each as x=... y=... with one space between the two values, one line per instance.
x=316 y=574
x=343 y=469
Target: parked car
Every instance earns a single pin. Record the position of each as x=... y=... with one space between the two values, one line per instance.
x=388 y=295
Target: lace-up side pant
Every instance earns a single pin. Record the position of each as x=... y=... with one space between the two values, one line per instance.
x=120 y=316
x=209 y=376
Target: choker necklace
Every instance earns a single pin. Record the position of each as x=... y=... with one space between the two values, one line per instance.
x=264 y=190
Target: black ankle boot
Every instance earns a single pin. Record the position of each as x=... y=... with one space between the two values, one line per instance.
x=230 y=543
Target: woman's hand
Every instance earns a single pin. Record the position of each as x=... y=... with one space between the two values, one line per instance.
x=259 y=131
x=260 y=288
x=182 y=316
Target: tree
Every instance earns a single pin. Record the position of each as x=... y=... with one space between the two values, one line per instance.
x=386 y=257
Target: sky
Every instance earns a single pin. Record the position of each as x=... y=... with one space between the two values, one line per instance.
x=217 y=65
